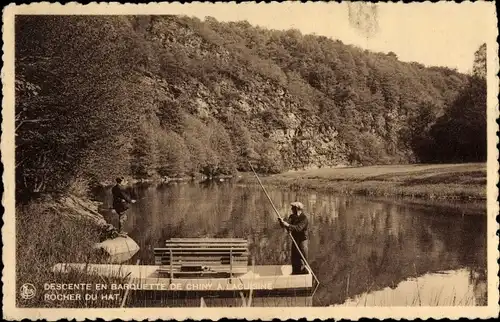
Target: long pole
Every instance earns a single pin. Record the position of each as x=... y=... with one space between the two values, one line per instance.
x=267 y=195
x=289 y=233
x=127 y=291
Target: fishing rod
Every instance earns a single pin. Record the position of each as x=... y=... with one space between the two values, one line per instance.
x=289 y=233
x=135 y=200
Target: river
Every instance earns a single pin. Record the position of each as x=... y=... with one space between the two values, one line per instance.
x=359 y=248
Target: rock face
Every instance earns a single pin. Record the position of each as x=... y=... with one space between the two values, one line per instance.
x=77 y=208
x=301 y=99
x=267 y=110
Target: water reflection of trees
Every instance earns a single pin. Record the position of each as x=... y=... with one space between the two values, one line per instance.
x=380 y=245
x=355 y=245
x=478 y=280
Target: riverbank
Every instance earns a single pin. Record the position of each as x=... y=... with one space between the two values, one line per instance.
x=433 y=181
x=162 y=180
x=57 y=229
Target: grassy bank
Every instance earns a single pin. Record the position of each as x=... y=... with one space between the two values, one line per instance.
x=44 y=237
x=438 y=181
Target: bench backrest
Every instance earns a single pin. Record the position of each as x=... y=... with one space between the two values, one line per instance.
x=203 y=255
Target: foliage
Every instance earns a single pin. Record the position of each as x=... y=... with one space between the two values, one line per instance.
x=220 y=143
x=101 y=96
x=72 y=74
x=143 y=153
x=47 y=235
x=367 y=149
x=479 y=68
x=459 y=135
x=171 y=116
x=270 y=159
x=173 y=156
x=419 y=138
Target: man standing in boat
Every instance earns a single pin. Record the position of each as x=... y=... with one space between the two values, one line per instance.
x=121 y=200
x=297 y=224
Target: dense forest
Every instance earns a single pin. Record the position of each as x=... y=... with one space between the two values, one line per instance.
x=101 y=96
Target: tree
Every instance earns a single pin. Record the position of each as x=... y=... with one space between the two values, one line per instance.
x=173 y=155
x=171 y=116
x=143 y=153
x=197 y=138
x=270 y=160
x=419 y=137
x=243 y=144
x=392 y=54
x=479 y=67
x=106 y=159
x=460 y=134
x=75 y=75
x=220 y=144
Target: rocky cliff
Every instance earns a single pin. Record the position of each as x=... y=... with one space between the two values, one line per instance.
x=312 y=100
x=175 y=96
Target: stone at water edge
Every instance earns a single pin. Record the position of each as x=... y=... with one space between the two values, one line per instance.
x=119 y=249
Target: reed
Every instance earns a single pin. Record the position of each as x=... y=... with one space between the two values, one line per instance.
x=45 y=238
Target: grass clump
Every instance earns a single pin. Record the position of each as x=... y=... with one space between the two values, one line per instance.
x=441 y=181
x=45 y=237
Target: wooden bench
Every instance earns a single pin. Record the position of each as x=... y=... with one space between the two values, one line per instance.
x=203 y=256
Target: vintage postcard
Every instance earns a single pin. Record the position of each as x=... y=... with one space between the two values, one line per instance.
x=255 y=161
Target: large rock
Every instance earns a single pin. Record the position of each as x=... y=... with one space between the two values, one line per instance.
x=78 y=208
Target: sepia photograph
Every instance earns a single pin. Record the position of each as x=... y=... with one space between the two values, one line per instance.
x=281 y=160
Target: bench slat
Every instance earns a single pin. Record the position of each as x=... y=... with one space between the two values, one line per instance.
x=219 y=262
x=215 y=265
x=207 y=242
x=205 y=252
x=222 y=270
x=204 y=263
x=198 y=248
x=198 y=273
x=215 y=260
x=235 y=263
x=219 y=255
x=168 y=247
x=212 y=240
x=211 y=266
x=201 y=251
x=204 y=255
x=200 y=259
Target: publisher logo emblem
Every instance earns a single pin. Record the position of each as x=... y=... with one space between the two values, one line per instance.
x=28 y=291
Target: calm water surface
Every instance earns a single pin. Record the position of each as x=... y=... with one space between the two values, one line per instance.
x=363 y=251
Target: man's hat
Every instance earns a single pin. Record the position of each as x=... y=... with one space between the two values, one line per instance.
x=297 y=205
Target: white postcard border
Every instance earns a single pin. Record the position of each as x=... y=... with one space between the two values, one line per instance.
x=8 y=230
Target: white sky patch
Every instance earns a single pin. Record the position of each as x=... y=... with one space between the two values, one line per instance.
x=441 y=34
